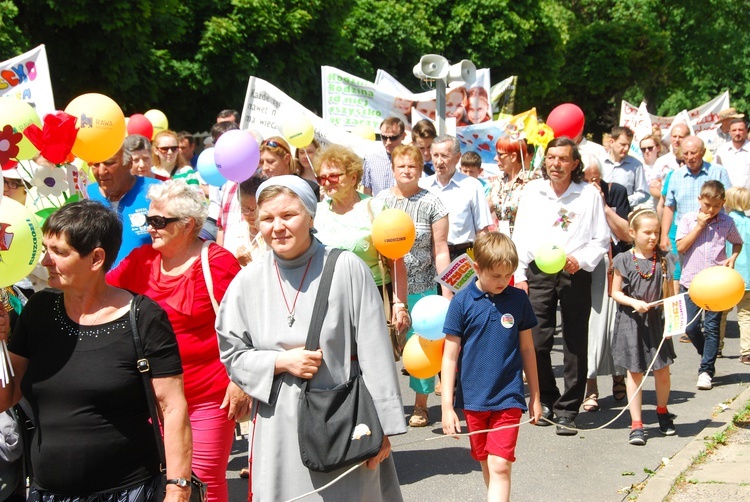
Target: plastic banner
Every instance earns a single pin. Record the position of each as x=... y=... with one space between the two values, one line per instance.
x=26 y=77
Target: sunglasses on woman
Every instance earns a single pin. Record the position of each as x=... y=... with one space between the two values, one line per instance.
x=330 y=178
x=165 y=149
x=273 y=144
x=158 y=222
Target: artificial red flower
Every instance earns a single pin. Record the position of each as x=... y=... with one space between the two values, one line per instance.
x=9 y=145
x=55 y=140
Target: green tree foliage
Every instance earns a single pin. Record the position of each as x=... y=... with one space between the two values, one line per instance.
x=192 y=58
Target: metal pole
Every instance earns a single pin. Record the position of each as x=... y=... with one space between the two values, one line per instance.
x=440 y=106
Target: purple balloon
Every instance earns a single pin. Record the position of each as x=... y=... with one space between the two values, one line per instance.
x=236 y=155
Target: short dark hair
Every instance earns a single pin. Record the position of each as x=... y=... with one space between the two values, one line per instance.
x=133 y=143
x=577 y=174
x=423 y=129
x=229 y=113
x=618 y=131
x=737 y=121
x=186 y=135
x=221 y=127
x=250 y=185
x=471 y=159
x=87 y=225
x=392 y=121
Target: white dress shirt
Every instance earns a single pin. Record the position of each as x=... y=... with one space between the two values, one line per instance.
x=468 y=210
x=539 y=222
x=736 y=161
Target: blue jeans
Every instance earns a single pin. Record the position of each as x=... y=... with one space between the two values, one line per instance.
x=706 y=339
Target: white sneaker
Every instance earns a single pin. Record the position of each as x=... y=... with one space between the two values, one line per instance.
x=704 y=381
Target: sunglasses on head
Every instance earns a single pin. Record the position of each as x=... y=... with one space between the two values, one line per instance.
x=385 y=137
x=165 y=149
x=158 y=222
x=273 y=144
x=330 y=178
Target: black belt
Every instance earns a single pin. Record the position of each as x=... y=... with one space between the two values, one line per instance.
x=457 y=248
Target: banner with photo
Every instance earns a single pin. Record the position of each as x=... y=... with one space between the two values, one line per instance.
x=26 y=77
x=701 y=118
x=265 y=104
x=349 y=101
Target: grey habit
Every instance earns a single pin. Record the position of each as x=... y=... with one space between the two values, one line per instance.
x=253 y=329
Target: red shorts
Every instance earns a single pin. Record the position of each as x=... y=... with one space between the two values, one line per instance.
x=500 y=443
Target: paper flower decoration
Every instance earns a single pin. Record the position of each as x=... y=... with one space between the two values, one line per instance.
x=9 y=145
x=541 y=135
x=50 y=181
x=565 y=218
x=55 y=140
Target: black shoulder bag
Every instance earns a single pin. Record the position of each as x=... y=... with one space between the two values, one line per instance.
x=198 y=488
x=338 y=427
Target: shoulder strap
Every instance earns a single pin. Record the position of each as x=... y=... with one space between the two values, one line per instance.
x=145 y=370
x=321 y=301
x=207 y=274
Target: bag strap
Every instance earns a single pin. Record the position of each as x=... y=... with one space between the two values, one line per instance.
x=321 y=301
x=207 y=274
x=145 y=370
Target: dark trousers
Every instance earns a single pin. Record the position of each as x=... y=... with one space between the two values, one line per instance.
x=705 y=335
x=573 y=293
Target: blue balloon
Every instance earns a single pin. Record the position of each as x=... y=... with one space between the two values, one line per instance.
x=428 y=317
x=207 y=168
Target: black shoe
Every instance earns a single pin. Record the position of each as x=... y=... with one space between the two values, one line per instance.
x=404 y=372
x=637 y=437
x=666 y=424
x=548 y=414
x=564 y=426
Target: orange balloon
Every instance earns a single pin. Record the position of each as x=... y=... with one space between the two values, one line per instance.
x=101 y=127
x=422 y=358
x=393 y=233
x=717 y=288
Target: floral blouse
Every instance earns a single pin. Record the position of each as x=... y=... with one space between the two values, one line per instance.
x=505 y=194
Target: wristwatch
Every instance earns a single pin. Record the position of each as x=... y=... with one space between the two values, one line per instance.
x=181 y=482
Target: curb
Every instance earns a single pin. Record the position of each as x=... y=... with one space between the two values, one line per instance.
x=657 y=488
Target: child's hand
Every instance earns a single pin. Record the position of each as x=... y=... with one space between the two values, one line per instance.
x=451 y=424
x=535 y=411
x=640 y=306
x=703 y=218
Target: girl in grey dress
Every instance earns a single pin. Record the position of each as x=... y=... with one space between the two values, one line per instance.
x=639 y=281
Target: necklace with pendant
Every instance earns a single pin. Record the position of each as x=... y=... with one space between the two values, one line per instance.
x=290 y=318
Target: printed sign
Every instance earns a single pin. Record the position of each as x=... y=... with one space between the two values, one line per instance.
x=458 y=274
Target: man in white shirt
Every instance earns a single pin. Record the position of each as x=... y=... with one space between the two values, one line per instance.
x=463 y=196
x=735 y=155
x=670 y=161
x=561 y=209
x=623 y=169
x=719 y=134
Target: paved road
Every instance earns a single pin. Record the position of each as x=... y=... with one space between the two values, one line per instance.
x=594 y=465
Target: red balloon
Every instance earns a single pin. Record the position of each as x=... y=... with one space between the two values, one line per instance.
x=139 y=124
x=566 y=120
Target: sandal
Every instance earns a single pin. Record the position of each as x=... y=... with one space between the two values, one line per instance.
x=418 y=417
x=438 y=389
x=619 y=390
x=591 y=403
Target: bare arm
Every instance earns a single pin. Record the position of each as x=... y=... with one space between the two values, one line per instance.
x=442 y=256
x=684 y=243
x=178 y=438
x=450 y=420
x=528 y=356
x=736 y=248
x=666 y=223
x=618 y=224
x=400 y=314
x=622 y=298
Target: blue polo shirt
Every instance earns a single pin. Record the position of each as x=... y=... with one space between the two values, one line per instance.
x=489 y=364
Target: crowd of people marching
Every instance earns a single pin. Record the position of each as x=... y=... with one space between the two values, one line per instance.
x=156 y=253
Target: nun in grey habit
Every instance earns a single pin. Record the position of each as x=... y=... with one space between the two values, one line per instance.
x=262 y=327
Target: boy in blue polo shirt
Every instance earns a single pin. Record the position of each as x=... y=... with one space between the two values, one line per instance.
x=488 y=339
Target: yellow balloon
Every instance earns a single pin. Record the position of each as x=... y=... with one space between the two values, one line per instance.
x=158 y=120
x=20 y=242
x=422 y=358
x=364 y=132
x=101 y=126
x=717 y=288
x=20 y=115
x=393 y=233
x=297 y=129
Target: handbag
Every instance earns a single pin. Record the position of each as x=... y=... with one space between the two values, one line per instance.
x=197 y=487
x=338 y=427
